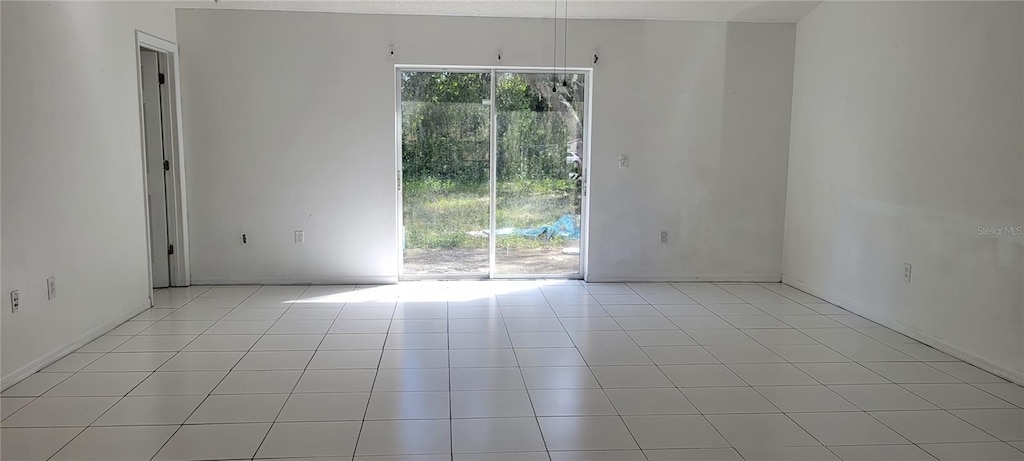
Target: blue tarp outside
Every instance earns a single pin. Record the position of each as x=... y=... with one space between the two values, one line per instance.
x=564 y=227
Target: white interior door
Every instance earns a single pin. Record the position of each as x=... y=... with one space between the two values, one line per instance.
x=155 y=170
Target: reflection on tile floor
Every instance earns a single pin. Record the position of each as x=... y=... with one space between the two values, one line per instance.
x=518 y=370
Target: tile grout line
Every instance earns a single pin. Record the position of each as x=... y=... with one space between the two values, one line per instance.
x=214 y=388
x=526 y=388
x=949 y=411
x=126 y=393
x=512 y=347
x=376 y=373
x=900 y=385
x=601 y=386
x=292 y=391
x=658 y=367
x=861 y=409
x=86 y=427
x=772 y=403
x=754 y=388
x=448 y=354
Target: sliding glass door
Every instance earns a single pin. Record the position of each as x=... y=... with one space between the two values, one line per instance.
x=446 y=139
x=491 y=189
x=539 y=173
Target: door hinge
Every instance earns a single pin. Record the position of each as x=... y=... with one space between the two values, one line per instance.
x=161 y=78
x=167 y=165
x=398 y=177
x=170 y=249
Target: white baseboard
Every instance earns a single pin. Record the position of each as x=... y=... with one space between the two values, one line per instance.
x=385 y=280
x=899 y=327
x=346 y=280
x=607 y=278
x=59 y=353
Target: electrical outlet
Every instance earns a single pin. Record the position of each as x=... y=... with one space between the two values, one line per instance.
x=300 y=237
x=664 y=237
x=623 y=161
x=51 y=288
x=15 y=301
x=906 y=272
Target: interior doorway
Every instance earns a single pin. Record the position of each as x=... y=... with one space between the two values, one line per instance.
x=162 y=163
x=153 y=67
x=492 y=175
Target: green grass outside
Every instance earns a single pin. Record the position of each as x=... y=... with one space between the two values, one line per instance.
x=438 y=214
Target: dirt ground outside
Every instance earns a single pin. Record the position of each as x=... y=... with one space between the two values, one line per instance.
x=534 y=261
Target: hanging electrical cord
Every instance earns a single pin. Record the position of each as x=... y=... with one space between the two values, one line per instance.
x=565 y=46
x=554 y=51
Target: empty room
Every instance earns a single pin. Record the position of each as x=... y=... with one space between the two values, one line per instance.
x=475 y=230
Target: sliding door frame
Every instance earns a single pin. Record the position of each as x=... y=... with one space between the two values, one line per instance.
x=493 y=167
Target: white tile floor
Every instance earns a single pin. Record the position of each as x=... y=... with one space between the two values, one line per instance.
x=508 y=371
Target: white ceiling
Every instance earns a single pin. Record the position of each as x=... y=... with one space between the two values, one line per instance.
x=680 y=10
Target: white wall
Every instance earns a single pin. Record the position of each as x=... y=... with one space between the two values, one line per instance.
x=908 y=134
x=72 y=190
x=290 y=125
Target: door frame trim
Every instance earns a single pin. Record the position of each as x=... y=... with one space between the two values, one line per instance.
x=584 y=170
x=177 y=209
x=492 y=177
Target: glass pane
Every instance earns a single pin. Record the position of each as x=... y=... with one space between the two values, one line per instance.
x=540 y=150
x=445 y=172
